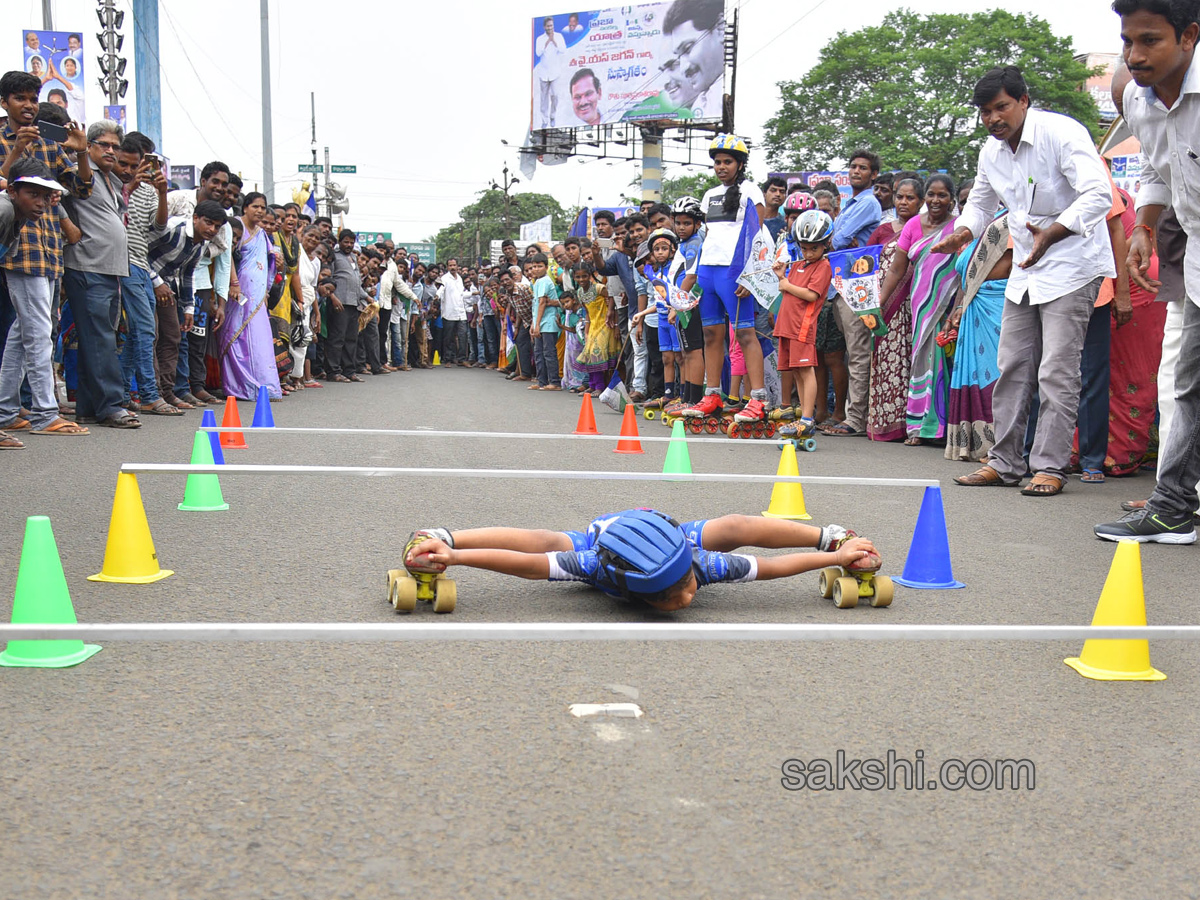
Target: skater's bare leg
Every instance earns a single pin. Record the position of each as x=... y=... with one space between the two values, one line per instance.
x=727 y=533
x=526 y=540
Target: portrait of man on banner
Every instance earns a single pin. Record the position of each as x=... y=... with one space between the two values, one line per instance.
x=856 y=278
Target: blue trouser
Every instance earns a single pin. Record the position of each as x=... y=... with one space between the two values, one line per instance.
x=399 y=330
x=95 y=302
x=181 y=367
x=491 y=340
x=545 y=348
x=137 y=356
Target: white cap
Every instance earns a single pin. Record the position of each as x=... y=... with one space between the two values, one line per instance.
x=39 y=182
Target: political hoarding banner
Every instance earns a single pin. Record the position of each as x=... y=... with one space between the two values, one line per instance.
x=856 y=279
x=371 y=238
x=184 y=177
x=840 y=178
x=537 y=231
x=117 y=114
x=657 y=62
x=56 y=59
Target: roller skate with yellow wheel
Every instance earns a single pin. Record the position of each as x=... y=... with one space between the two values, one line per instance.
x=846 y=585
x=652 y=409
x=801 y=434
x=422 y=581
x=751 y=422
x=783 y=414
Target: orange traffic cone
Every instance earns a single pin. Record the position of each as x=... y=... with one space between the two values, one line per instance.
x=629 y=442
x=232 y=440
x=587 y=417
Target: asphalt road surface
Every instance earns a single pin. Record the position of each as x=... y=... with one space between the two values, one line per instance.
x=456 y=769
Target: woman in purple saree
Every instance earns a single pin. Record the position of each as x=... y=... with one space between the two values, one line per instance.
x=247 y=345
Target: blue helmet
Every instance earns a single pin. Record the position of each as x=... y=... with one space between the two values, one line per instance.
x=645 y=553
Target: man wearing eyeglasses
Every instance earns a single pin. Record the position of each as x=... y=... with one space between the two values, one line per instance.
x=94 y=269
x=694 y=51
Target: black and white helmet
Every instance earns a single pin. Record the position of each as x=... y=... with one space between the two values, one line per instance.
x=688 y=206
x=813 y=227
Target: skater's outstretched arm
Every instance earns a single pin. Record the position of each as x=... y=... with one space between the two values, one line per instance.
x=727 y=533
x=437 y=554
x=796 y=563
x=527 y=540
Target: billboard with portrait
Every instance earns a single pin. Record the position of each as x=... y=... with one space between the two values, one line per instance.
x=658 y=62
x=56 y=59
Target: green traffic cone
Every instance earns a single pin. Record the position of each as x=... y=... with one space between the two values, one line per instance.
x=42 y=598
x=678 y=461
x=202 y=492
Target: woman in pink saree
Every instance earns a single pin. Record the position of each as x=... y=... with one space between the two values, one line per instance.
x=247 y=345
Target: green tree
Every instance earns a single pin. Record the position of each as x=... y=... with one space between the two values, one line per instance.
x=492 y=218
x=903 y=88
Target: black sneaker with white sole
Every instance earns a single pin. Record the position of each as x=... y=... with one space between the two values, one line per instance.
x=1147 y=526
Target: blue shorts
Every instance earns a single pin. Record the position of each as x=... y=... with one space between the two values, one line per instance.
x=582 y=540
x=668 y=336
x=720 y=299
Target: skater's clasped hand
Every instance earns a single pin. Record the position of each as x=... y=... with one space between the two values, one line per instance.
x=854 y=550
x=431 y=554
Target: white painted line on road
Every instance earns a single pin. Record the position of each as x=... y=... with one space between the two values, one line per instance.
x=584 y=631
x=615 y=710
x=535 y=474
x=523 y=435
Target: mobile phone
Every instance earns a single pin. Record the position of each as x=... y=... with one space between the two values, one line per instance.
x=605 y=243
x=154 y=159
x=51 y=132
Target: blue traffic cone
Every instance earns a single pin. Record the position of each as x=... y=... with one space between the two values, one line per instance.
x=262 y=410
x=928 y=562
x=209 y=420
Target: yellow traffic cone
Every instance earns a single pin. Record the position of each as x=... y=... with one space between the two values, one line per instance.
x=787 y=497
x=437 y=360
x=1122 y=602
x=129 y=557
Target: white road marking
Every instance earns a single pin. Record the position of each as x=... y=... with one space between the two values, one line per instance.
x=614 y=710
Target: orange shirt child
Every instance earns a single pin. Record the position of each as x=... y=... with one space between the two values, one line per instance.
x=797 y=319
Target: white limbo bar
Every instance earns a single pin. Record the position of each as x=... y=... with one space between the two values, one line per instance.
x=584 y=631
x=539 y=474
x=420 y=432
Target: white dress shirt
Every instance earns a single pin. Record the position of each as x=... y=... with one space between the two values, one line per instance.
x=1170 y=140
x=1055 y=175
x=450 y=292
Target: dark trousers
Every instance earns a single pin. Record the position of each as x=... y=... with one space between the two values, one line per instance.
x=384 y=328
x=1093 y=395
x=166 y=347
x=96 y=306
x=524 y=351
x=197 y=348
x=368 y=346
x=341 y=348
x=454 y=340
x=654 y=367
x=545 y=350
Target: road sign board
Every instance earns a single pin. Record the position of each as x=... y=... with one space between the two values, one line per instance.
x=425 y=252
x=344 y=170
x=314 y=168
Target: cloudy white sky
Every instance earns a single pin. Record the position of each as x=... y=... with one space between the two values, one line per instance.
x=419 y=95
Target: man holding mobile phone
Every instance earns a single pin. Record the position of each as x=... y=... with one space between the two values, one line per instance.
x=35 y=263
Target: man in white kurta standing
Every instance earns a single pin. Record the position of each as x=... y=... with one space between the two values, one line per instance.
x=1044 y=169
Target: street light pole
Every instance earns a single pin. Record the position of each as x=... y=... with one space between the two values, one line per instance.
x=506 y=186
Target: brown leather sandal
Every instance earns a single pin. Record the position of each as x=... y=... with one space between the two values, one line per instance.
x=984 y=477
x=1044 y=485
